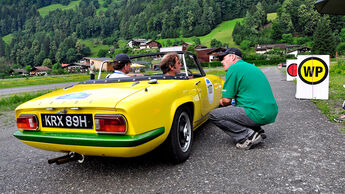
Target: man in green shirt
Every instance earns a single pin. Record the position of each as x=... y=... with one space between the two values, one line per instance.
x=255 y=103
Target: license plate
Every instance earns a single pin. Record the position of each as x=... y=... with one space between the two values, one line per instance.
x=80 y=121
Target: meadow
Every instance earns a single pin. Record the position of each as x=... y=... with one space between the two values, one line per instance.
x=222 y=33
x=43 y=80
x=45 y=10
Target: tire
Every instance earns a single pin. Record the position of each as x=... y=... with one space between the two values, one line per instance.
x=180 y=139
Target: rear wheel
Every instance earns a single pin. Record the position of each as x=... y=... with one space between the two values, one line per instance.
x=180 y=139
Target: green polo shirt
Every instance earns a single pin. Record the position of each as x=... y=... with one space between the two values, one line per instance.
x=249 y=86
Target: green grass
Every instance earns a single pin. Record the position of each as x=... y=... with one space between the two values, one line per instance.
x=271 y=17
x=95 y=47
x=101 y=7
x=7 y=38
x=45 y=10
x=220 y=73
x=223 y=33
x=11 y=102
x=42 y=80
x=332 y=107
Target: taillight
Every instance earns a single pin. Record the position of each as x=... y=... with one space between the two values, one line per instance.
x=27 y=122
x=110 y=124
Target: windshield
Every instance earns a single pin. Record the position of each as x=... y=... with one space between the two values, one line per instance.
x=148 y=65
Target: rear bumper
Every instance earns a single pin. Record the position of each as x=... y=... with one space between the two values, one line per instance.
x=94 y=140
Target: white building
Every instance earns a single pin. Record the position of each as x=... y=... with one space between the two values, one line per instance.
x=172 y=49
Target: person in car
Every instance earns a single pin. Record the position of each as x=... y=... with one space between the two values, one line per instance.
x=122 y=66
x=170 y=64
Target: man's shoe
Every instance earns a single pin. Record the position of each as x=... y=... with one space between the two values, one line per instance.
x=248 y=143
x=262 y=133
x=339 y=120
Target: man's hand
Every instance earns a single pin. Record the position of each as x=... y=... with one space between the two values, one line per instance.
x=225 y=101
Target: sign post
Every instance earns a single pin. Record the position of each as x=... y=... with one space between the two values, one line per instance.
x=312 y=77
x=291 y=69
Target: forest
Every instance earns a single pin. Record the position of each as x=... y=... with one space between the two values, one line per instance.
x=297 y=22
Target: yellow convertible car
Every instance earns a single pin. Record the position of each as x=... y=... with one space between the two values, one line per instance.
x=122 y=117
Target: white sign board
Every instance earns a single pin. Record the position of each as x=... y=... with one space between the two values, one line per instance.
x=291 y=69
x=312 y=77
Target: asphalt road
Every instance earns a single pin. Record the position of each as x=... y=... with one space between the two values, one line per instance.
x=304 y=153
x=7 y=91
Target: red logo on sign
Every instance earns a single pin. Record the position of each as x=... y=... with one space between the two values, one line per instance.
x=292 y=69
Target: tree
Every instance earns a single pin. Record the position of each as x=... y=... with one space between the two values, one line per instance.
x=342 y=35
x=28 y=68
x=71 y=56
x=287 y=38
x=4 y=67
x=38 y=60
x=285 y=20
x=276 y=31
x=260 y=15
x=196 y=41
x=307 y=20
x=215 y=43
x=2 y=48
x=47 y=62
x=245 y=44
x=57 y=69
x=341 y=48
x=102 y=53
x=191 y=49
x=168 y=42
x=324 y=40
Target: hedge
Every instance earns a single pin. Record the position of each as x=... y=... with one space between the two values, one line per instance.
x=256 y=62
x=212 y=64
x=266 y=62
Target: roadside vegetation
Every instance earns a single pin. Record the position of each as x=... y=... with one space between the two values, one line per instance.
x=332 y=107
x=11 y=102
x=42 y=80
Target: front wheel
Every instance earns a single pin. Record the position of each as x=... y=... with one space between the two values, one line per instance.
x=180 y=139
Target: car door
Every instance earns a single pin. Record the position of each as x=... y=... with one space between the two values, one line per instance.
x=205 y=85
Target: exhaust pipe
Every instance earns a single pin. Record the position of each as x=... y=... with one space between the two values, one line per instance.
x=71 y=156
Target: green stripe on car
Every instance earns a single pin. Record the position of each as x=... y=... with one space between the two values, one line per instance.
x=83 y=139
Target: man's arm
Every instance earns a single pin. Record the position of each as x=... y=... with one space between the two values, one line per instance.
x=225 y=101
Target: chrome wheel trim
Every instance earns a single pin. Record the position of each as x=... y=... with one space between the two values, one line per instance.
x=184 y=132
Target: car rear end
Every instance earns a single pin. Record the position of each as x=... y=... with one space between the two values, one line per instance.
x=85 y=121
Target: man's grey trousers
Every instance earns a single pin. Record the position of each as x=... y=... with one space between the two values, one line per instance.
x=234 y=121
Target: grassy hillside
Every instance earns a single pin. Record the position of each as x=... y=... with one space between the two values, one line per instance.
x=271 y=16
x=94 y=46
x=45 y=10
x=223 y=32
x=7 y=38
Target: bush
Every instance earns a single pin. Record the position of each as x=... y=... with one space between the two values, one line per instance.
x=215 y=43
x=102 y=53
x=339 y=68
x=245 y=44
x=265 y=62
x=341 y=48
x=212 y=64
x=57 y=69
x=109 y=41
x=254 y=57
